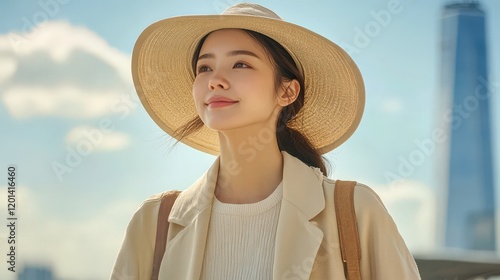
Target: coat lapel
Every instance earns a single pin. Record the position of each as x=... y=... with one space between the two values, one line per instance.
x=189 y=218
x=297 y=238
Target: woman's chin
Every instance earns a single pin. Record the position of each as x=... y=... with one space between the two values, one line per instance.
x=222 y=125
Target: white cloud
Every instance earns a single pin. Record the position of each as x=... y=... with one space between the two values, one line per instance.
x=61 y=70
x=100 y=140
x=9 y=67
x=413 y=206
x=392 y=106
x=62 y=101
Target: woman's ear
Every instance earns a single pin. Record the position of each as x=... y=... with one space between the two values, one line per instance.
x=288 y=93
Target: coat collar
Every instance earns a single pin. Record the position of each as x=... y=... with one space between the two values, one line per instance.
x=296 y=175
x=297 y=239
x=195 y=199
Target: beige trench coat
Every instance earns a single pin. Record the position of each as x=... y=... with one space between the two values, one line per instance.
x=307 y=243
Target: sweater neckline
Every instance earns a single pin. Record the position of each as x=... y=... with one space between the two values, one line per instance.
x=247 y=209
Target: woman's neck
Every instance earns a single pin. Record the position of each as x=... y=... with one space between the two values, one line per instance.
x=251 y=167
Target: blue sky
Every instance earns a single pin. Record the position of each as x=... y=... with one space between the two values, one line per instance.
x=65 y=86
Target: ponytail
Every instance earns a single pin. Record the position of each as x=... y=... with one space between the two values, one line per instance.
x=294 y=143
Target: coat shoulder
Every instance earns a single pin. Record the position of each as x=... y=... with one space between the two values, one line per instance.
x=364 y=196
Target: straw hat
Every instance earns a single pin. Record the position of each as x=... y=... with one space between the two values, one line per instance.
x=161 y=69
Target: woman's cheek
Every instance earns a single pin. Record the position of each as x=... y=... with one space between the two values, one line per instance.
x=198 y=101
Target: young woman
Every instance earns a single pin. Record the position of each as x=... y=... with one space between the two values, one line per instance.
x=269 y=98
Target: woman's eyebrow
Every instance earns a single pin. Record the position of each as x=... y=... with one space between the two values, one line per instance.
x=231 y=53
x=242 y=52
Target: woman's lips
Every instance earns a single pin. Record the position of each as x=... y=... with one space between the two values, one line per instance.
x=219 y=104
x=220 y=101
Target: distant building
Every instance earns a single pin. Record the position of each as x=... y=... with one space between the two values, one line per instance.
x=466 y=164
x=30 y=272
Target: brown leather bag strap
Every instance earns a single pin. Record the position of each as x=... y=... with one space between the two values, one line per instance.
x=167 y=201
x=348 y=228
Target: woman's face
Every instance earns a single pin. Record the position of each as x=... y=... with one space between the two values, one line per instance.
x=234 y=86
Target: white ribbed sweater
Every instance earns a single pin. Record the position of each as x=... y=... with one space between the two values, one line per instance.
x=240 y=241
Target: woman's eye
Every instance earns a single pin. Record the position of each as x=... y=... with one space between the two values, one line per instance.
x=240 y=65
x=203 y=68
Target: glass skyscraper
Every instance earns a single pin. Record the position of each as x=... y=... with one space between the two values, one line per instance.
x=36 y=272
x=467 y=170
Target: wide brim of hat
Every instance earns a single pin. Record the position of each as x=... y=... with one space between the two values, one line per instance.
x=163 y=77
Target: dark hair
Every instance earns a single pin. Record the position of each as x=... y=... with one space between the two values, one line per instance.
x=289 y=139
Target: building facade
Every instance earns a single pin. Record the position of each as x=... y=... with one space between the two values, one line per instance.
x=35 y=272
x=467 y=164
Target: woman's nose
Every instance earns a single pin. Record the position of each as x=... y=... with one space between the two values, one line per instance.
x=217 y=82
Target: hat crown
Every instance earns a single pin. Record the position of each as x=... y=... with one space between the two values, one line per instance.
x=250 y=9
